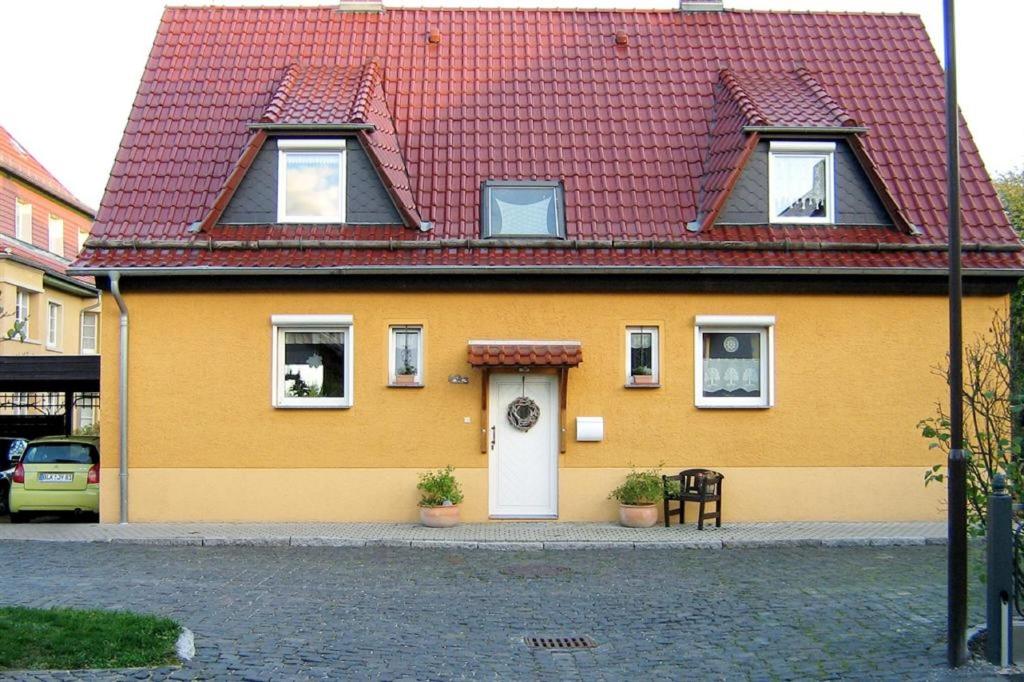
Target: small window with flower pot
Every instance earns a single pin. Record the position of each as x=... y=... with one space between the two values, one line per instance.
x=406 y=355
x=312 y=361
x=642 y=363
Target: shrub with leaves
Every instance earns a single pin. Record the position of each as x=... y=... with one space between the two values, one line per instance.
x=438 y=487
x=640 y=487
x=991 y=408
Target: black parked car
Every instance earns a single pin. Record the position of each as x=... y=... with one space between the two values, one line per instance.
x=11 y=450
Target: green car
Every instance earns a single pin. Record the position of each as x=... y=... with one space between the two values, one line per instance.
x=57 y=474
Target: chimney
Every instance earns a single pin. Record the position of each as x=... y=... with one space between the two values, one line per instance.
x=373 y=6
x=701 y=5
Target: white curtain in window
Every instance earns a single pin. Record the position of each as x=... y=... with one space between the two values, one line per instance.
x=732 y=374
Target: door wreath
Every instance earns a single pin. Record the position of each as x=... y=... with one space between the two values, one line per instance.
x=523 y=413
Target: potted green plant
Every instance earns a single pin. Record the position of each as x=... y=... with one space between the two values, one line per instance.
x=440 y=495
x=642 y=374
x=406 y=374
x=405 y=371
x=638 y=497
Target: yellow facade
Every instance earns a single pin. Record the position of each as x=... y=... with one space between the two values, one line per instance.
x=852 y=376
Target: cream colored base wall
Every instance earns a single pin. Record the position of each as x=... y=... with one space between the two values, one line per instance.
x=269 y=495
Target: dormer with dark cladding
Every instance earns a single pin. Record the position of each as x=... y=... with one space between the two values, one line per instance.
x=367 y=201
x=857 y=203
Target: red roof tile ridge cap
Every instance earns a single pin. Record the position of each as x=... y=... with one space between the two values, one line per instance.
x=823 y=96
x=749 y=109
x=561 y=10
x=281 y=95
x=368 y=78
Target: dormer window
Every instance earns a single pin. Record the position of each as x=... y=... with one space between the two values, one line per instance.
x=801 y=182
x=311 y=181
x=523 y=208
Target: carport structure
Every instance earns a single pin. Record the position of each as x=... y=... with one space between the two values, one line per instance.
x=33 y=375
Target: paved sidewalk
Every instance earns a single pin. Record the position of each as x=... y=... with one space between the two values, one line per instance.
x=498 y=536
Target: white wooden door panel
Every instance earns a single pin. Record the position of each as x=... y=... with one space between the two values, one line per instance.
x=524 y=464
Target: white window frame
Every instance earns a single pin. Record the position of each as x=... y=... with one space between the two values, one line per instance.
x=23 y=220
x=55 y=232
x=791 y=148
x=23 y=311
x=393 y=348
x=310 y=323
x=83 y=236
x=327 y=146
x=655 y=331
x=740 y=324
x=54 y=324
x=85 y=350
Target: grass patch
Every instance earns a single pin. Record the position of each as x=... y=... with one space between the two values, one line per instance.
x=68 y=639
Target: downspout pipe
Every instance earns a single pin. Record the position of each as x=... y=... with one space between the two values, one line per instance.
x=122 y=393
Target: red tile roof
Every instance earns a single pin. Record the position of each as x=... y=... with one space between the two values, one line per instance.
x=525 y=354
x=787 y=99
x=542 y=94
x=323 y=94
x=16 y=160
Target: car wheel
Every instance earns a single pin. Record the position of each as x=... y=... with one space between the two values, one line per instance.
x=19 y=517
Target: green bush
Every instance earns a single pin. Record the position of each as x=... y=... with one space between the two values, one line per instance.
x=991 y=405
x=438 y=487
x=641 y=487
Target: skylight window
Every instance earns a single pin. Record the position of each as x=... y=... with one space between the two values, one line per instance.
x=523 y=208
x=801 y=182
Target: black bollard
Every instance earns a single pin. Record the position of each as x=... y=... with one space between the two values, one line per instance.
x=999 y=590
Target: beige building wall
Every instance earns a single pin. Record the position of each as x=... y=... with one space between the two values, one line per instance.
x=16 y=276
x=853 y=377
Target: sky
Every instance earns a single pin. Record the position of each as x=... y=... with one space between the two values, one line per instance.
x=72 y=67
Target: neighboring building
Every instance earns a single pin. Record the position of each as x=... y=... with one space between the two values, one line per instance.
x=350 y=243
x=46 y=311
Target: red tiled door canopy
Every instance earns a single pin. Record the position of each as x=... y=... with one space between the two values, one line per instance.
x=525 y=353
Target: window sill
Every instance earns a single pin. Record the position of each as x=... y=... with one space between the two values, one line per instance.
x=733 y=407
x=54 y=349
x=31 y=342
x=656 y=385
x=394 y=385
x=312 y=407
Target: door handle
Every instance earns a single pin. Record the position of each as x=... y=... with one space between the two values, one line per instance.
x=494 y=435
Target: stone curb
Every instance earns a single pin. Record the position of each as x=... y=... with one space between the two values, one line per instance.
x=504 y=545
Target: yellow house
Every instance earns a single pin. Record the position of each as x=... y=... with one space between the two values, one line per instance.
x=44 y=311
x=541 y=246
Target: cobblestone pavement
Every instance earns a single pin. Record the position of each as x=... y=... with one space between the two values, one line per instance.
x=394 y=613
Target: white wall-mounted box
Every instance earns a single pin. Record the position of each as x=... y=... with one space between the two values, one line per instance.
x=590 y=429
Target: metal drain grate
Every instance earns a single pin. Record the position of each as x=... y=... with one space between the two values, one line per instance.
x=560 y=643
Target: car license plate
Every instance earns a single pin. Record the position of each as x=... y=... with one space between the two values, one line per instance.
x=56 y=478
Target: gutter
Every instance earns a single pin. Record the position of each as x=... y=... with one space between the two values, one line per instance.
x=215 y=271
x=122 y=393
x=542 y=243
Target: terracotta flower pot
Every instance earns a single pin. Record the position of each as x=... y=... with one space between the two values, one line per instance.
x=439 y=517
x=643 y=379
x=405 y=379
x=638 y=515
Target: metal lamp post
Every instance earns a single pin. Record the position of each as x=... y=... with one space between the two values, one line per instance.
x=956 y=648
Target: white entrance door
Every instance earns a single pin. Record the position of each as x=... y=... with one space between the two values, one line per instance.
x=523 y=464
